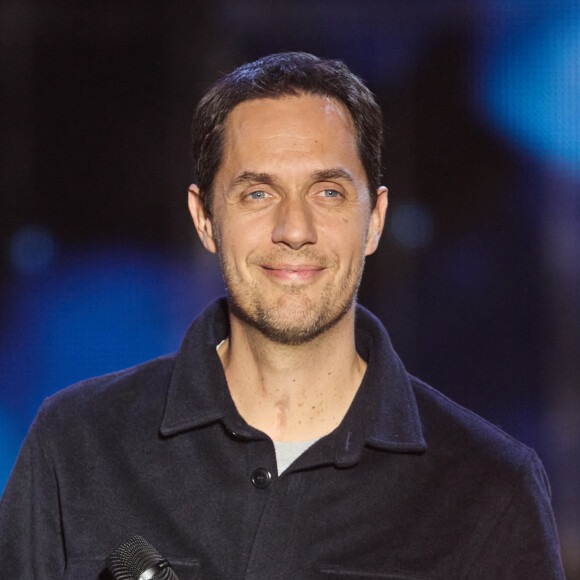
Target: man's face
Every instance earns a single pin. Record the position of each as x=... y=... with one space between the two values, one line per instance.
x=291 y=216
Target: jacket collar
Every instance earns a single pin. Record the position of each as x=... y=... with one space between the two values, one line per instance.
x=383 y=414
x=198 y=388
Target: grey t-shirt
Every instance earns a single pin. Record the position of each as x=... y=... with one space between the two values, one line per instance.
x=287 y=452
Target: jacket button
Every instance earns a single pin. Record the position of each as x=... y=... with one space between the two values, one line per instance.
x=261 y=478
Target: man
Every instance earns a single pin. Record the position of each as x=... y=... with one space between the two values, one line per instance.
x=285 y=440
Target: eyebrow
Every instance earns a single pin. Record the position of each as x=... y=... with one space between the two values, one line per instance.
x=253 y=177
x=269 y=179
x=330 y=174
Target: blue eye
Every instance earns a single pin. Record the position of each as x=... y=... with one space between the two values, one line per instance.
x=330 y=193
x=258 y=194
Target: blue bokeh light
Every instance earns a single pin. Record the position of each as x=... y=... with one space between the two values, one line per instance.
x=32 y=249
x=530 y=81
x=412 y=225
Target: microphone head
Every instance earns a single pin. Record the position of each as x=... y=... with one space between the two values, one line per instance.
x=137 y=559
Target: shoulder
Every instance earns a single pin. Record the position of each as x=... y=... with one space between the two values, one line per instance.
x=498 y=488
x=121 y=396
x=472 y=444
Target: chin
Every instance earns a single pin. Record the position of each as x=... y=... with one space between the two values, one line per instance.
x=292 y=322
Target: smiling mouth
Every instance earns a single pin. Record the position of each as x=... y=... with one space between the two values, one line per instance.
x=293 y=272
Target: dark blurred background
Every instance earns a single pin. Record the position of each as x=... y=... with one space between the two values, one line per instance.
x=478 y=277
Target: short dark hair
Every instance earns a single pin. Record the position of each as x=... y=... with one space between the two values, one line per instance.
x=279 y=75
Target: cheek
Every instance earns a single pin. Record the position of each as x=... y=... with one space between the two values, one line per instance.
x=239 y=241
x=345 y=236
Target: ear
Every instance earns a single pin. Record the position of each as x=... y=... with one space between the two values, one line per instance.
x=377 y=221
x=201 y=219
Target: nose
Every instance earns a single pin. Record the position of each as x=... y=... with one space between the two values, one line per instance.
x=294 y=225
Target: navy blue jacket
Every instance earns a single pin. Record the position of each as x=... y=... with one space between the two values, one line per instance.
x=409 y=486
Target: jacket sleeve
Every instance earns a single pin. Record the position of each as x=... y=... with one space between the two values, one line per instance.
x=31 y=540
x=523 y=544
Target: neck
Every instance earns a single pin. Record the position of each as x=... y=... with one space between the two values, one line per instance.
x=292 y=393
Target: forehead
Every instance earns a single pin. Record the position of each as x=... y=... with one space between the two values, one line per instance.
x=302 y=104
x=274 y=126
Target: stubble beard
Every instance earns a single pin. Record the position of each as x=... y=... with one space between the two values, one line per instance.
x=293 y=318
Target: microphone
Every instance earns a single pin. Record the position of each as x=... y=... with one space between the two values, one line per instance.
x=137 y=559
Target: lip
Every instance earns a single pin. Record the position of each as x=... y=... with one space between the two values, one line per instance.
x=294 y=272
